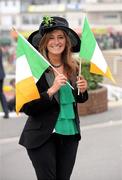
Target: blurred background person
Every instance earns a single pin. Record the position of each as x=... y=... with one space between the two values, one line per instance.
x=2 y=96
x=11 y=102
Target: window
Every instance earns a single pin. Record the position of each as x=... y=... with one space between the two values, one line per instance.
x=6 y=3
x=30 y=19
x=25 y=20
x=79 y=22
x=14 y=3
x=13 y=20
x=110 y=16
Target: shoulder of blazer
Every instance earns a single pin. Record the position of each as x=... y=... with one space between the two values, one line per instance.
x=42 y=82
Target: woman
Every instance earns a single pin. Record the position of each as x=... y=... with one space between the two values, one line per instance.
x=52 y=131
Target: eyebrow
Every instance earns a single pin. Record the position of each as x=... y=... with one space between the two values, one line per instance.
x=57 y=35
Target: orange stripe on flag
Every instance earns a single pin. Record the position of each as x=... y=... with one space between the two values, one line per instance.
x=26 y=91
x=96 y=70
x=109 y=75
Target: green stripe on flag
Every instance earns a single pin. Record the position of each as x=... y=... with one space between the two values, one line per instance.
x=37 y=64
x=88 y=42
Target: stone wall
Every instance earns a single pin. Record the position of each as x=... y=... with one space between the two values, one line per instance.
x=96 y=103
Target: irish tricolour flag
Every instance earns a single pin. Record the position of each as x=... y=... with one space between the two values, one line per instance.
x=91 y=52
x=30 y=65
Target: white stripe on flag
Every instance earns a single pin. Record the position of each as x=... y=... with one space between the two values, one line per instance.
x=21 y=63
x=98 y=59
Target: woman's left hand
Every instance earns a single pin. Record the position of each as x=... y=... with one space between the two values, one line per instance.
x=81 y=84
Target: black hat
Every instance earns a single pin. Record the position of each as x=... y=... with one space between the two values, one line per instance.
x=49 y=24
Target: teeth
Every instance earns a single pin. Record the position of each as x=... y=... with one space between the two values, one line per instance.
x=56 y=47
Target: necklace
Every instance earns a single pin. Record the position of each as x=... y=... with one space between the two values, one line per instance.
x=57 y=66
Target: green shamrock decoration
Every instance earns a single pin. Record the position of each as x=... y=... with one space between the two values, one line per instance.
x=47 y=21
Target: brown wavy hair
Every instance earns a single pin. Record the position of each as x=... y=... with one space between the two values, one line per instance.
x=70 y=64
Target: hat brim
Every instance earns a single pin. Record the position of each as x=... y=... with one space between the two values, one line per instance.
x=35 y=37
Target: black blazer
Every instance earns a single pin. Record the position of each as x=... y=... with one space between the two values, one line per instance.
x=2 y=73
x=43 y=114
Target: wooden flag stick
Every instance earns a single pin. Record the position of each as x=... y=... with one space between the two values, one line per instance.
x=80 y=66
x=79 y=73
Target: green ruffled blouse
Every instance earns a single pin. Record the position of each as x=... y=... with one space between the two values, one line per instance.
x=66 y=121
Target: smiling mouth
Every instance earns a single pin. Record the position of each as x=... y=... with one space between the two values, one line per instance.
x=57 y=47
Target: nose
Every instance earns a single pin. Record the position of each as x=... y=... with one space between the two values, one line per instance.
x=56 y=40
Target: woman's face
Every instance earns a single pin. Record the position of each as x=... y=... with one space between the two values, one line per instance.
x=56 y=43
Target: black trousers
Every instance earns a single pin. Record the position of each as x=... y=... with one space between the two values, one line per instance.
x=3 y=98
x=55 y=159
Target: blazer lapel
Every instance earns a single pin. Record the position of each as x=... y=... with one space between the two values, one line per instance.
x=50 y=78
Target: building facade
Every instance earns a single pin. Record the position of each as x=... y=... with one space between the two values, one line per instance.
x=26 y=15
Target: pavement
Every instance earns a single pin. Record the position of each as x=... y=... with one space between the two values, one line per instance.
x=13 y=126
x=99 y=154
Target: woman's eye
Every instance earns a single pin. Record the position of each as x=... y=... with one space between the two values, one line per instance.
x=51 y=38
x=61 y=37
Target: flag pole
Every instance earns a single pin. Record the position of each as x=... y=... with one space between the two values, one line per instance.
x=39 y=54
x=80 y=65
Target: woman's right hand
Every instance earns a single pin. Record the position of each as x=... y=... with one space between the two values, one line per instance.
x=59 y=81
